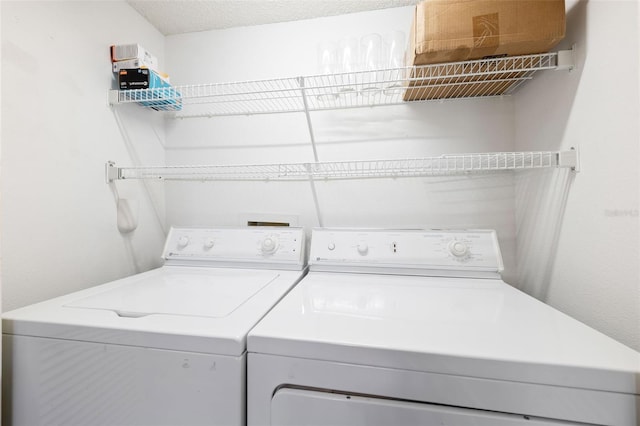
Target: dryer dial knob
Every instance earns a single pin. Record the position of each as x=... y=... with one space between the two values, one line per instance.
x=183 y=241
x=208 y=244
x=331 y=246
x=363 y=248
x=458 y=248
x=269 y=244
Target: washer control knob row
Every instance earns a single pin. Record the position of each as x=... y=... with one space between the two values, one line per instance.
x=458 y=248
x=269 y=245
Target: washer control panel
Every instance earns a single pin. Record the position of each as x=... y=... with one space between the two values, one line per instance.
x=278 y=245
x=406 y=251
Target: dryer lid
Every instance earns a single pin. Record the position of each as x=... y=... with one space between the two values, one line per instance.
x=478 y=328
x=181 y=291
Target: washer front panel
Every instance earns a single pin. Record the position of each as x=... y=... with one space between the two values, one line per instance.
x=268 y=247
x=65 y=382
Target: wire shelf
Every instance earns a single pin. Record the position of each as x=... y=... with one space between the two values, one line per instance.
x=459 y=80
x=413 y=167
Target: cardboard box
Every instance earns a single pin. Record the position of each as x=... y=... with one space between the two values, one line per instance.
x=459 y=30
x=126 y=52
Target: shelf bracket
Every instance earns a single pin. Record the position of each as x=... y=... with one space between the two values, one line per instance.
x=569 y=159
x=111 y=172
x=566 y=59
x=114 y=97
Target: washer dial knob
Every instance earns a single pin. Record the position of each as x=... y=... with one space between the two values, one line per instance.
x=458 y=248
x=331 y=246
x=269 y=245
x=183 y=241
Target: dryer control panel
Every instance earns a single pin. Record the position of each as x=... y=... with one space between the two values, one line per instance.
x=251 y=246
x=471 y=253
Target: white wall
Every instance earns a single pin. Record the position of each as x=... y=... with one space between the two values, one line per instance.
x=58 y=218
x=289 y=50
x=578 y=236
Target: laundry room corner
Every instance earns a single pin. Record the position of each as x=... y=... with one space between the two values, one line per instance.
x=59 y=216
x=578 y=233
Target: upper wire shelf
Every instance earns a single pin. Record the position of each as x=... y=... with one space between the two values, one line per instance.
x=413 y=167
x=457 y=80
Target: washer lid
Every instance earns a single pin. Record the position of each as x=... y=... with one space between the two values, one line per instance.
x=188 y=292
x=197 y=309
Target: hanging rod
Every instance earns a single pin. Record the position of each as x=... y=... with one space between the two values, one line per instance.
x=392 y=86
x=412 y=167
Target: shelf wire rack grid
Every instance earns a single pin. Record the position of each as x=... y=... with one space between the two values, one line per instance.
x=458 y=80
x=414 y=167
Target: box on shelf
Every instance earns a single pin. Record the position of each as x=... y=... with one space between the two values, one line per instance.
x=128 y=52
x=165 y=98
x=141 y=78
x=131 y=64
x=460 y=30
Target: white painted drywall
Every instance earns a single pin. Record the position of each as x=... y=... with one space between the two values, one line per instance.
x=58 y=218
x=578 y=236
x=289 y=50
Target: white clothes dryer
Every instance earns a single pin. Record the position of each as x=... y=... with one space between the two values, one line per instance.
x=164 y=347
x=417 y=328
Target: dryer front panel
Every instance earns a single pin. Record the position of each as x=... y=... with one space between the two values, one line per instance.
x=294 y=407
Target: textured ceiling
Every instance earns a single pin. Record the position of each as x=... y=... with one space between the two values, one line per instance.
x=185 y=16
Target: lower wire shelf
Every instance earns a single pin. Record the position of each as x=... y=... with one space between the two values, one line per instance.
x=444 y=165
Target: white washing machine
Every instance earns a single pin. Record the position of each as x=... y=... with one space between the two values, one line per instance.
x=165 y=347
x=417 y=328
